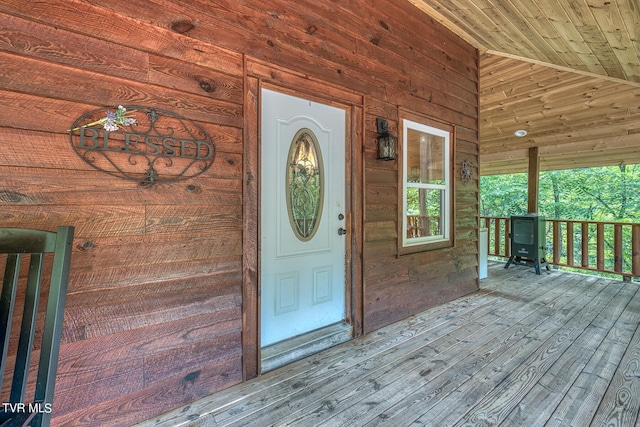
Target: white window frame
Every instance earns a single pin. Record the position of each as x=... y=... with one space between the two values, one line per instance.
x=445 y=212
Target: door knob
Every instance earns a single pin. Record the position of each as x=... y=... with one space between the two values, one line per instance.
x=341 y=231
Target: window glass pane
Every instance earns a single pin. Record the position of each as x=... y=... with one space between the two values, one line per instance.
x=426 y=215
x=424 y=212
x=425 y=158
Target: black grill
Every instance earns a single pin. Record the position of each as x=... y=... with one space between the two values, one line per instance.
x=528 y=241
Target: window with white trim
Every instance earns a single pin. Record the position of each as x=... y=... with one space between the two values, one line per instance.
x=426 y=184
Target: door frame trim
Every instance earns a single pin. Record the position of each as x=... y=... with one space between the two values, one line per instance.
x=259 y=75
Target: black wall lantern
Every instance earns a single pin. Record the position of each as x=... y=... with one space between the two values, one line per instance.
x=387 y=143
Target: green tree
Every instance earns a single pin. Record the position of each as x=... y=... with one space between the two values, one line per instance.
x=594 y=194
x=606 y=194
x=502 y=195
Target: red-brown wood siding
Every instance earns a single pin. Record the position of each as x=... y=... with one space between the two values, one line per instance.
x=154 y=317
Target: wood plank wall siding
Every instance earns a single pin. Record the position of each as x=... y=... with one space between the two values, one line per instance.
x=155 y=318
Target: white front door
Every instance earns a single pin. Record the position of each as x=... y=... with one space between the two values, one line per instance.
x=302 y=216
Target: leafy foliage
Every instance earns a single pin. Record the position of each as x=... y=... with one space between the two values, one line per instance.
x=606 y=194
x=594 y=194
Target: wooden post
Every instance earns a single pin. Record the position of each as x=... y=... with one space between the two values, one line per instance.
x=635 y=249
x=507 y=234
x=600 y=246
x=617 y=248
x=584 y=236
x=496 y=233
x=557 y=237
x=570 y=243
x=534 y=179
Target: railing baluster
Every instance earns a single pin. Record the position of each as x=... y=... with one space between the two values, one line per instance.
x=584 y=235
x=617 y=248
x=496 y=233
x=507 y=237
x=600 y=246
x=556 y=242
x=570 y=243
x=635 y=249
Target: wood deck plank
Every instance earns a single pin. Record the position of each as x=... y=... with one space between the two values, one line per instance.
x=538 y=405
x=346 y=402
x=295 y=396
x=552 y=341
x=621 y=403
x=557 y=349
x=241 y=399
x=402 y=396
x=473 y=375
x=420 y=360
x=581 y=401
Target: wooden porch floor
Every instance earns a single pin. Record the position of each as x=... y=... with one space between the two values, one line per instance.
x=559 y=349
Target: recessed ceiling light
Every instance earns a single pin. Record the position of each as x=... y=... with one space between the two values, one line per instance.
x=520 y=133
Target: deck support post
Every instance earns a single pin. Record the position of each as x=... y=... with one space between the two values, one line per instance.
x=533 y=189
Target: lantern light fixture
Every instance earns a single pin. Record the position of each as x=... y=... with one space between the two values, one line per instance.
x=387 y=143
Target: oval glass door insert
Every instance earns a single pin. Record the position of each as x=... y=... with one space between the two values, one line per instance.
x=305 y=184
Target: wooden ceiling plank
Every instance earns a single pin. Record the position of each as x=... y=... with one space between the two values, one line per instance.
x=569 y=125
x=459 y=20
x=630 y=12
x=625 y=143
x=600 y=110
x=511 y=75
x=619 y=137
x=610 y=157
x=447 y=18
x=573 y=41
x=614 y=28
x=595 y=159
x=517 y=30
x=568 y=71
x=502 y=168
x=592 y=36
x=548 y=129
x=530 y=91
x=543 y=30
x=593 y=39
x=505 y=156
x=597 y=111
x=503 y=71
x=561 y=162
x=479 y=19
x=491 y=65
x=587 y=145
x=612 y=140
x=592 y=95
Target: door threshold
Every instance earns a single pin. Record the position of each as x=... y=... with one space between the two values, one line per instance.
x=296 y=348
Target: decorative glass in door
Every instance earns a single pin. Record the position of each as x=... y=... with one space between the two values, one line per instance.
x=304 y=184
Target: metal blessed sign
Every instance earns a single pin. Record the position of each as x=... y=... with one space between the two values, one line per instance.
x=142 y=144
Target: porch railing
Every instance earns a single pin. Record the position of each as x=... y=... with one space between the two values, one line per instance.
x=608 y=247
x=423 y=225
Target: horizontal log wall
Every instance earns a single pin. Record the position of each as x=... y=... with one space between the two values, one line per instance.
x=437 y=79
x=154 y=312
